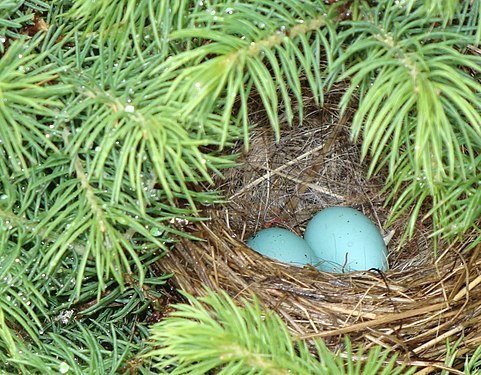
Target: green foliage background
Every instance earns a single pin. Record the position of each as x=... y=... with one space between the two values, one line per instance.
x=114 y=115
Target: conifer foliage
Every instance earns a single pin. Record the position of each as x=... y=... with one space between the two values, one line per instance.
x=113 y=118
x=215 y=334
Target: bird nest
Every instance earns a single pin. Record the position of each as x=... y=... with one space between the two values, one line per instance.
x=422 y=301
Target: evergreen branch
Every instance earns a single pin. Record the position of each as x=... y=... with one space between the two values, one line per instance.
x=65 y=211
x=459 y=206
x=87 y=337
x=463 y=15
x=105 y=243
x=15 y=15
x=74 y=211
x=469 y=17
x=27 y=90
x=418 y=109
x=78 y=350
x=20 y=298
x=134 y=25
x=215 y=334
x=71 y=210
x=246 y=47
x=8 y=21
x=433 y=8
x=136 y=136
x=7 y=339
x=453 y=354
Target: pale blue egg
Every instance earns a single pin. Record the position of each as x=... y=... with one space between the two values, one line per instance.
x=282 y=245
x=346 y=240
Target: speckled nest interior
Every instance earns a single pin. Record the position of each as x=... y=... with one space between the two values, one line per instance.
x=413 y=308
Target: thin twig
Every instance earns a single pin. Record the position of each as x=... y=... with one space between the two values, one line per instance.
x=316 y=164
x=383 y=319
x=305 y=184
x=275 y=171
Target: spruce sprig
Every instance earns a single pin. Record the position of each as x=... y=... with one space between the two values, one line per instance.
x=246 y=48
x=27 y=93
x=419 y=111
x=132 y=25
x=213 y=333
x=15 y=15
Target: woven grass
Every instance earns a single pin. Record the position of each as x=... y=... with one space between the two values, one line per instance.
x=422 y=301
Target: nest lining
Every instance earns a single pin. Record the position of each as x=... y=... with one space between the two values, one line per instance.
x=413 y=308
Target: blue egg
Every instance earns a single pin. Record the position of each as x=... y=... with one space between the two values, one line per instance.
x=346 y=240
x=282 y=245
